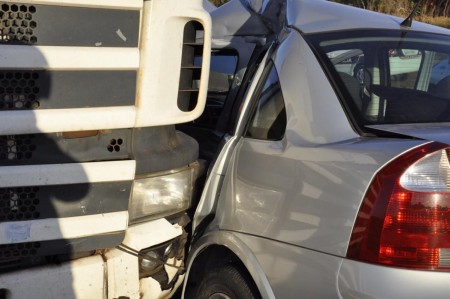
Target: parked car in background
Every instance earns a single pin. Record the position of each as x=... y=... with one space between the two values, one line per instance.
x=402 y=62
x=322 y=185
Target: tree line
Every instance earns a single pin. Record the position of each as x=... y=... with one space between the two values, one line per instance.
x=218 y=2
x=435 y=12
x=430 y=8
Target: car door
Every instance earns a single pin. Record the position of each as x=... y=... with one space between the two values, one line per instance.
x=258 y=174
x=238 y=106
x=276 y=196
x=229 y=61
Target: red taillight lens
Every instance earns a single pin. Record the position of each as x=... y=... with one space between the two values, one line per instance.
x=404 y=220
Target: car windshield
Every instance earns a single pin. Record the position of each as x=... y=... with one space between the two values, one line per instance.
x=388 y=77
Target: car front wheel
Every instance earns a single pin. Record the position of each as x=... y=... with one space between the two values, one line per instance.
x=225 y=282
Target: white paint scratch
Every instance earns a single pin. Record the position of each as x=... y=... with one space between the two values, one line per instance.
x=121 y=35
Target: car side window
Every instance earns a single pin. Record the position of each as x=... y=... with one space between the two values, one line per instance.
x=268 y=120
x=223 y=68
x=404 y=67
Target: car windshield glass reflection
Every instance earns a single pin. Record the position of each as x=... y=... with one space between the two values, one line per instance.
x=386 y=77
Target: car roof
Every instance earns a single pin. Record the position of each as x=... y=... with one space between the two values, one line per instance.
x=263 y=17
x=314 y=16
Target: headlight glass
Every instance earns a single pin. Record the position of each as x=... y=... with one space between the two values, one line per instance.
x=161 y=195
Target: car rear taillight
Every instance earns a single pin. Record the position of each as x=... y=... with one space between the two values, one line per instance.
x=404 y=220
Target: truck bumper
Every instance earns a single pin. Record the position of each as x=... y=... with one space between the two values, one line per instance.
x=113 y=274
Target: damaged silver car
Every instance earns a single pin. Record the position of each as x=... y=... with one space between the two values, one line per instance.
x=324 y=181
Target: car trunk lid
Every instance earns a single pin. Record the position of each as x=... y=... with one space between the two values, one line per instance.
x=439 y=132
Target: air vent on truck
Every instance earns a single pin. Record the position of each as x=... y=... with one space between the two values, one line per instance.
x=19 y=90
x=13 y=256
x=17 y=24
x=190 y=67
x=16 y=147
x=18 y=204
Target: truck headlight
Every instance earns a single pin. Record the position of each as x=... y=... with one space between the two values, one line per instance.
x=162 y=194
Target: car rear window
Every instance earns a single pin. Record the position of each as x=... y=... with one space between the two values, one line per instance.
x=388 y=77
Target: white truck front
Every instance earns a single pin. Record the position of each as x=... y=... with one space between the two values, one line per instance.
x=95 y=181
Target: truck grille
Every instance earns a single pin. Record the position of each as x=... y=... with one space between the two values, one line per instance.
x=18 y=90
x=17 y=23
x=16 y=147
x=17 y=204
x=7 y=252
x=16 y=256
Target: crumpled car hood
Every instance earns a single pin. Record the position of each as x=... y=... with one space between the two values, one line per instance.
x=248 y=18
x=439 y=132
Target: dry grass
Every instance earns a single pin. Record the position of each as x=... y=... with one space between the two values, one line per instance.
x=439 y=21
x=400 y=8
x=432 y=12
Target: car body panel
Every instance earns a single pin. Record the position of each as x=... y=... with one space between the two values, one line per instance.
x=305 y=196
x=208 y=201
x=310 y=104
x=439 y=132
x=281 y=270
x=286 y=208
x=235 y=19
x=233 y=241
x=292 y=270
x=307 y=188
x=361 y=280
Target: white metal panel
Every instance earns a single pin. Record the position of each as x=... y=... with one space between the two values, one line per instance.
x=70 y=280
x=117 y=4
x=82 y=278
x=159 y=74
x=68 y=58
x=63 y=120
x=151 y=288
x=124 y=267
x=158 y=61
x=62 y=228
x=71 y=173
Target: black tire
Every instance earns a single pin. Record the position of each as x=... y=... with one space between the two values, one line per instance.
x=226 y=282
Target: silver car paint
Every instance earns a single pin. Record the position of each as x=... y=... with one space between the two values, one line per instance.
x=294 y=192
x=208 y=200
x=307 y=188
x=234 y=19
x=432 y=131
x=287 y=208
x=295 y=272
x=305 y=196
x=361 y=280
x=232 y=241
x=314 y=113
